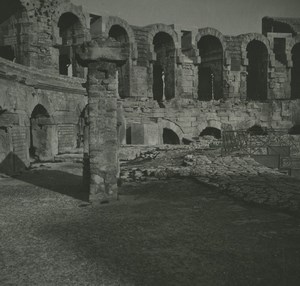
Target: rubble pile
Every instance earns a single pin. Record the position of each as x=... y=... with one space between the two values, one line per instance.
x=240 y=177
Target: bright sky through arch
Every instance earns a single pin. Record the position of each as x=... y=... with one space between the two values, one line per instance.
x=231 y=17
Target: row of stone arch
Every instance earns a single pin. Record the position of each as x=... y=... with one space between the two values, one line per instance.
x=71 y=28
x=211 y=47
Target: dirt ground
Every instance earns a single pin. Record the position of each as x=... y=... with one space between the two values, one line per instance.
x=175 y=232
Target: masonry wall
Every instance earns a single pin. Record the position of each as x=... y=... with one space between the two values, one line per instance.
x=33 y=33
x=23 y=89
x=37 y=44
x=193 y=117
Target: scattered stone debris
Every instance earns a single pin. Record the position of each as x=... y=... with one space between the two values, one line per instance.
x=240 y=177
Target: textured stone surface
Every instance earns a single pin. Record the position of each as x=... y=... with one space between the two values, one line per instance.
x=241 y=177
x=203 y=80
x=101 y=165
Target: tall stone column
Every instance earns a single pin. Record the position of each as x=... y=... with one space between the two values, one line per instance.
x=101 y=161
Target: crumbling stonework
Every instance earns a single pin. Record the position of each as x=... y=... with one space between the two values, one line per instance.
x=37 y=109
x=238 y=176
x=173 y=82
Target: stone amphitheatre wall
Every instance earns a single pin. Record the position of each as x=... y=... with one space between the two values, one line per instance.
x=174 y=82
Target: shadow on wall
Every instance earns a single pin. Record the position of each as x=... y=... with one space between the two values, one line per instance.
x=12 y=165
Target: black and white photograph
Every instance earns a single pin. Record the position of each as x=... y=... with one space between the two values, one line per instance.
x=149 y=143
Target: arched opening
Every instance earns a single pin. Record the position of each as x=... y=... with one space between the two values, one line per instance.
x=257 y=130
x=257 y=69
x=164 y=67
x=295 y=130
x=4 y=139
x=211 y=131
x=170 y=137
x=128 y=135
x=120 y=35
x=295 y=73
x=41 y=134
x=71 y=33
x=81 y=129
x=210 y=71
x=7 y=52
x=11 y=20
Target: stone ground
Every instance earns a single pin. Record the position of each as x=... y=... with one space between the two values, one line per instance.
x=162 y=232
x=237 y=175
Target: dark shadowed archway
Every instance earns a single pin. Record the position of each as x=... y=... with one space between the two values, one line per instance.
x=211 y=131
x=170 y=137
x=71 y=33
x=120 y=35
x=295 y=73
x=257 y=130
x=11 y=14
x=295 y=130
x=5 y=141
x=257 y=69
x=210 y=72
x=81 y=128
x=42 y=135
x=163 y=67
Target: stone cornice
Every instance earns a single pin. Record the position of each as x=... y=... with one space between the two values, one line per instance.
x=40 y=79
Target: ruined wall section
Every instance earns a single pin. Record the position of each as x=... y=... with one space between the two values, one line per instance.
x=280 y=64
x=141 y=81
x=15 y=36
x=193 y=117
x=189 y=64
x=142 y=45
x=34 y=32
x=188 y=73
x=147 y=57
x=235 y=82
x=22 y=89
x=234 y=111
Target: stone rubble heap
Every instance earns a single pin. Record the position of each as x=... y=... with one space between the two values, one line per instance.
x=240 y=177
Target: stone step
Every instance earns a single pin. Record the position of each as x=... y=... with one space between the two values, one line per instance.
x=69 y=158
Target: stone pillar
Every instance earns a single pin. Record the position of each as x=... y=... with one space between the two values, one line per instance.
x=103 y=139
x=101 y=164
